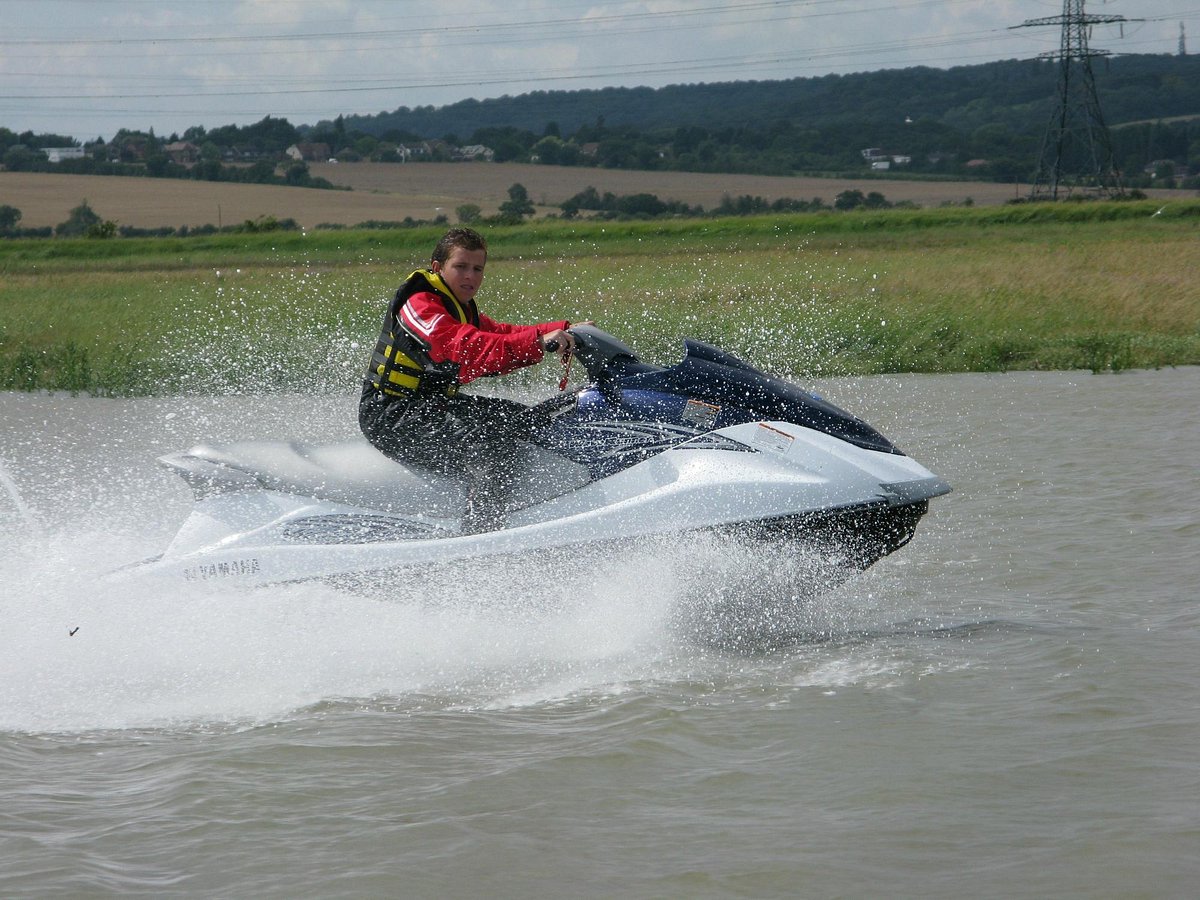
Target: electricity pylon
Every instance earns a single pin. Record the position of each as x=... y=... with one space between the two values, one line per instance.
x=1077 y=149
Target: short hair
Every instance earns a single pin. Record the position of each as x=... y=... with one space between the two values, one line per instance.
x=458 y=238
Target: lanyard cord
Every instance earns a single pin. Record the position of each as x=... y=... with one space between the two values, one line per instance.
x=562 y=384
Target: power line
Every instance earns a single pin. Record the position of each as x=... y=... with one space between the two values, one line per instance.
x=521 y=32
x=440 y=31
x=574 y=73
x=363 y=48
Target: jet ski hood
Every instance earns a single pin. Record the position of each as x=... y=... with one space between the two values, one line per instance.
x=712 y=375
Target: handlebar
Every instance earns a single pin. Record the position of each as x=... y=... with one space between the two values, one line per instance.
x=601 y=354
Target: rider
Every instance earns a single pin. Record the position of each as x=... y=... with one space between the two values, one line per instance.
x=434 y=340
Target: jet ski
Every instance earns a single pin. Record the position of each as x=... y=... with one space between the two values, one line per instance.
x=640 y=451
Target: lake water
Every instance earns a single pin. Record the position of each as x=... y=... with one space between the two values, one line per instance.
x=1009 y=706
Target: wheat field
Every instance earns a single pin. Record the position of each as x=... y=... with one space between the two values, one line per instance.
x=391 y=192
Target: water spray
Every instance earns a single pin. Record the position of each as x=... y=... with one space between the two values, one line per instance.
x=26 y=515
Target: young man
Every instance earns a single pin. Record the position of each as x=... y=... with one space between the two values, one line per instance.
x=434 y=340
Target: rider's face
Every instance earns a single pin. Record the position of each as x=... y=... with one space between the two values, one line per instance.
x=462 y=271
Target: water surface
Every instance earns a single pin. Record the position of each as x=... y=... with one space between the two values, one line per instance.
x=1006 y=707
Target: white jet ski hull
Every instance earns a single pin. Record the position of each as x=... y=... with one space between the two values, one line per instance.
x=761 y=480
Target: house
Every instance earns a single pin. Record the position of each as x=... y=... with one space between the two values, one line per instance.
x=474 y=152
x=1167 y=168
x=309 y=152
x=58 y=154
x=874 y=154
x=185 y=153
x=130 y=148
x=241 y=153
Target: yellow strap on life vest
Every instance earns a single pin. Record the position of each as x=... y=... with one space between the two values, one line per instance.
x=407 y=381
x=393 y=371
x=435 y=281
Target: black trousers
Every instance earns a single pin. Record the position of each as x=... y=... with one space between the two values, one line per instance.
x=466 y=436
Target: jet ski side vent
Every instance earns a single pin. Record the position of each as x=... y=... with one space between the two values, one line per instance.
x=356 y=529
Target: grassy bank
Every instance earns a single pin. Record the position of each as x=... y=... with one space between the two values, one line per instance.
x=1091 y=286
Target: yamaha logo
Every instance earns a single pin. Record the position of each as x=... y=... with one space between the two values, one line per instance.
x=233 y=569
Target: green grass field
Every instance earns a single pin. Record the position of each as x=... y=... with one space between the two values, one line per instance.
x=1099 y=286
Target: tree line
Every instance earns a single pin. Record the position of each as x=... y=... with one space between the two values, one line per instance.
x=1014 y=94
x=985 y=122
x=84 y=221
x=251 y=154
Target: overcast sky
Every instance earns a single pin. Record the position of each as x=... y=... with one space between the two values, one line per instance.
x=85 y=68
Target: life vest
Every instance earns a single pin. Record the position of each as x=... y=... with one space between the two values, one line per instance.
x=400 y=364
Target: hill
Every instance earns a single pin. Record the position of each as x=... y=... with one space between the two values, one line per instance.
x=1012 y=93
x=983 y=121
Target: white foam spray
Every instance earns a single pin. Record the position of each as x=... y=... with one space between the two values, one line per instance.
x=19 y=506
x=78 y=654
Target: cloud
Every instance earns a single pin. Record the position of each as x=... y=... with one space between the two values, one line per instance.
x=84 y=67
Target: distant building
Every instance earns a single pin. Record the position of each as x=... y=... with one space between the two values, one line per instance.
x=243 y=153
x=129 y=148
x=183 y=152
x=309 y=152
x=475 y=152
x=1168 y=165
x=58 y=154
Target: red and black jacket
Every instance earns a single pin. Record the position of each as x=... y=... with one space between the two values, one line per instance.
x=432 y=342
